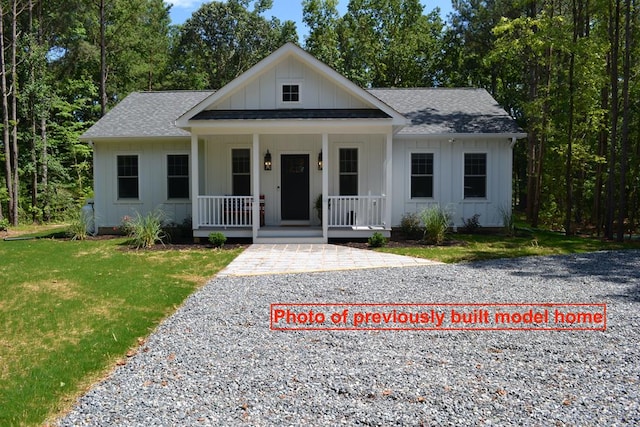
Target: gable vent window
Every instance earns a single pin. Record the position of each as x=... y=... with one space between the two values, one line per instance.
x=290 y=93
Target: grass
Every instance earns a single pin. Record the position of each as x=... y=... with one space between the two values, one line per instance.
x=477 y=247
x=69 y=310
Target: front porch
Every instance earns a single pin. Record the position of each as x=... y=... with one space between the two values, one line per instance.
x=347 y=217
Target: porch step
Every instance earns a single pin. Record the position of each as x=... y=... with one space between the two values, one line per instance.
x=289 y=240
x=290 y=235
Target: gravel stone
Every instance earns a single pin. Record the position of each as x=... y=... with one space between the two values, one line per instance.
x=216 y=362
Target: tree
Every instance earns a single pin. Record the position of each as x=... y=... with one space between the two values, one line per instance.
x=222 y=40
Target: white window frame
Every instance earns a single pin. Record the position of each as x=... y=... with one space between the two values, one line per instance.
x=486 y=175
x=434 y=177
x=358 y=174
x=231 y=174
x=289 y=104
x=117 y=197
x=166 y=174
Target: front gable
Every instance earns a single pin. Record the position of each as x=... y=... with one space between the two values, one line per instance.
x=290 y=84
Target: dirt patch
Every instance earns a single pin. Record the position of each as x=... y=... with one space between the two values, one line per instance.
x=63 y=289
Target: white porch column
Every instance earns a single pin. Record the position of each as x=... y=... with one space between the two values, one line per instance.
x=325 y=187
x=388 y=181
x=255 y=214
x=195 y=183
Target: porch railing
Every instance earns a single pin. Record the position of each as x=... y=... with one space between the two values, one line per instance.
x=225 y=211
x=356 y=211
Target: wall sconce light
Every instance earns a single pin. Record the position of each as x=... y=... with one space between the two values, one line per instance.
x=320 y=161
x=267 y=161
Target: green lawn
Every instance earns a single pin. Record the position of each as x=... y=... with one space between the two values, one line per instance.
x=69 y=310
x=476 y=247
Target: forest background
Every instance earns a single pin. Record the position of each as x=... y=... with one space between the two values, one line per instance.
x=566 y=70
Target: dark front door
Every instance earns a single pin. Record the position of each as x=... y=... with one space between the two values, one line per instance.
x=295 y=187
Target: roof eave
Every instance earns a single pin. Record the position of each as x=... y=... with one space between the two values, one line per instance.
x=454 y=135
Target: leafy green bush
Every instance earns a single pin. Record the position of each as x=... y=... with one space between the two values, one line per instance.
x=410 y=224
x=77 y=225
x=436 y=223
x=145 y=231
x=471 y=225
x=4 y=224
x=217 y=239
x=377 y=240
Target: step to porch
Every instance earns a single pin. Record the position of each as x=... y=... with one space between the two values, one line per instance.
x=290 y=235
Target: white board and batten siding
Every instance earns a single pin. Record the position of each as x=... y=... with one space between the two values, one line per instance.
x=448 y=176
x=152 y=181
x=263 y=91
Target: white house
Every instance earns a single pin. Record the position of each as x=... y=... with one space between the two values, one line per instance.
x=251 y=159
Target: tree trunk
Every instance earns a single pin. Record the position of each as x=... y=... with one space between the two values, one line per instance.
x=614 y=38
x=103 y=60
x=14 y=112
x=45 y=170
x=568 y=172
x=6 y=141
x=624 y=149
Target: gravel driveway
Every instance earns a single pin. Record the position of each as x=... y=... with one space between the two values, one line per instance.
x=216 y=362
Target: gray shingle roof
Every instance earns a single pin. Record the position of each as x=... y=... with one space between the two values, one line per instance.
x=432 y=111
x=437 y=111
x=146 y=114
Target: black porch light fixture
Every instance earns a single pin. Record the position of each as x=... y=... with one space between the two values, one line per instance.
x=267 y=161
x=320 y=161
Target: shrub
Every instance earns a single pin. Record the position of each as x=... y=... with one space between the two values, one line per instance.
x=77 y=225
x=508 y=221
x=410 y=224
x=377 y=240
x=144 y=231
x=217 y=239
x=4 y=224
x=436 y=222
x=471 y=225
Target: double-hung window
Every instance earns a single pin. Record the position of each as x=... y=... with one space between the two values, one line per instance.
x=348 y=171
x=241 y=172
x=127 y=177
x=421 y=175
x=475 y=175
x=178 y=176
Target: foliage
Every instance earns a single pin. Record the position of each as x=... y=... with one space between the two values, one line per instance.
x=144 y=231
x=69 y=317
x=78 y=223
x=217 y=239
x=478 y=247
x=317 y=205
x=4 y=224
x=508 y=220
x=222 y=40
x=436 y=223
x=380 y=43
x=410 y=224
x=471 y=225
x=377 y=240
